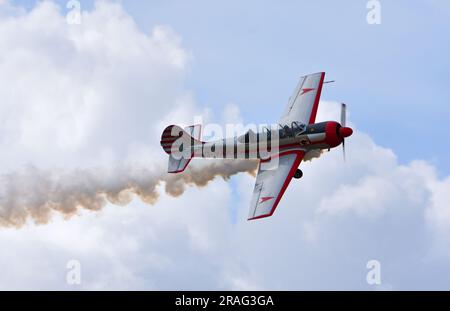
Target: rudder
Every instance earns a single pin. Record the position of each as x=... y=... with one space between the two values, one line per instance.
x=189 y=136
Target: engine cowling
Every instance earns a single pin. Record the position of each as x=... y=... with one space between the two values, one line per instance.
x=335 y=133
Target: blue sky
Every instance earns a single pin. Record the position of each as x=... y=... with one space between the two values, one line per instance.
x=394 y=76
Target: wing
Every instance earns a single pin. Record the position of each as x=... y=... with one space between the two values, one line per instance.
x=272 y=183
x=304 y=102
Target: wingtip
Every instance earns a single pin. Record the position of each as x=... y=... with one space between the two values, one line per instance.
x=314 y=73
x=259 y=217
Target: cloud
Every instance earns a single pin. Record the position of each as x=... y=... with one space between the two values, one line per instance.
x=73 y=97
x=88 y=95
x=438 y=211
x=63 y=87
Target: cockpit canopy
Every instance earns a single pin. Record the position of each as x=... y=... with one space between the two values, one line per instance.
x=291 y=130
x=284 y=131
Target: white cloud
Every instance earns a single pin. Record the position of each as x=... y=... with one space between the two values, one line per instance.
x=438 y=211
x=371 y=193
x=101 y=91
x=77 y=93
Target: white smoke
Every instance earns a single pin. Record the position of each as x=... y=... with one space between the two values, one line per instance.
x=36 y=194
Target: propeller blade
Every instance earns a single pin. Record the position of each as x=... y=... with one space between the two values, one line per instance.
x=343 y=123
x=343 y=114
x=343 y=148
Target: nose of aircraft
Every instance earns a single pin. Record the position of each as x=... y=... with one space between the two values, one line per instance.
x=345 y=132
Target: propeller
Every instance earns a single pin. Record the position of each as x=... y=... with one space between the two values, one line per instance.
x=344 y=131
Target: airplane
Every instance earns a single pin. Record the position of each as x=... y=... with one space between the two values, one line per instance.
x=297 y=138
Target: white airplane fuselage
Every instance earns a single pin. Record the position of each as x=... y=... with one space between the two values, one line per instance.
x=318 y=136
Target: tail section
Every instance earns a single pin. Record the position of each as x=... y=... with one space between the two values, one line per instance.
x=178 y=144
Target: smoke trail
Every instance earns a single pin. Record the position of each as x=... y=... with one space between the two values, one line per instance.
x=35 y=194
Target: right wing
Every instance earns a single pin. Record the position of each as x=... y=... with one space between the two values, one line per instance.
x=304 y=102
x=272 y=183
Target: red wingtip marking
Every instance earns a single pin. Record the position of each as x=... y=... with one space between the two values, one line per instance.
x=306 y=90
x=264 y=199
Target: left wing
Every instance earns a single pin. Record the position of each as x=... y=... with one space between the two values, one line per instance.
x=304 y=101
x=272 y=183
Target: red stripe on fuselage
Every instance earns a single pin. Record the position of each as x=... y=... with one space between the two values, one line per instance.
x=281 y=148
